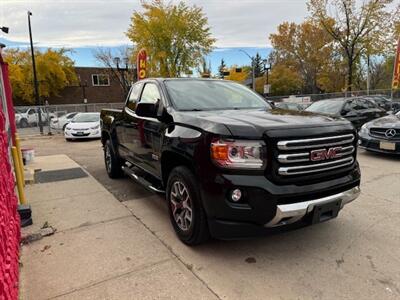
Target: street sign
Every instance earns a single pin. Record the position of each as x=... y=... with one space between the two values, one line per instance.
x=267 y=88
x=141 y=62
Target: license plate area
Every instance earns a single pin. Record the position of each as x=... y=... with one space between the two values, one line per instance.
x=387 y=146
x=325 y=212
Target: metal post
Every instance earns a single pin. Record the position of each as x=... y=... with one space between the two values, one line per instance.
x=368 y=75
x=35 y=82
x=253 y=76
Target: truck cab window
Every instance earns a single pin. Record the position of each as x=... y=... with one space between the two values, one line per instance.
x=150 y=93
x=134 y=96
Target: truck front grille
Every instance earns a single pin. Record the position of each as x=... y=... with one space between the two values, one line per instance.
x=315 y=155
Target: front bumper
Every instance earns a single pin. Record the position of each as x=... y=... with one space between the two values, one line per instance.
x=86 y=134
x=291 y=213
x=370 y=143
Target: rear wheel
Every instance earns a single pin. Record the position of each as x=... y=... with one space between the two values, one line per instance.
x=112 y=161
x=185 y=208
x=23 y=123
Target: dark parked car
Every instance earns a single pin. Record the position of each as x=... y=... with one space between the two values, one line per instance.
x=357 y=110
x=291 y=105
x=381 y=135
x=230 y=165
x=381 y=100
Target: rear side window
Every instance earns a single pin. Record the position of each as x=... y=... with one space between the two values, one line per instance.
x=134 y=96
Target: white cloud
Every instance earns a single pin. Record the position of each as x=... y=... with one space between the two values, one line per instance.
x=74 y=23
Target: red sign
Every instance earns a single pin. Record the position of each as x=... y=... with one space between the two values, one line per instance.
x=141 y=62
x=396 y=71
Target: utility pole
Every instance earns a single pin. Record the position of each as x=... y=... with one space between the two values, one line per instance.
x=35 y=82
x=253 y=67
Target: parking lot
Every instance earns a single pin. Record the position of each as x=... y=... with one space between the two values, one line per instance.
x=356 y=256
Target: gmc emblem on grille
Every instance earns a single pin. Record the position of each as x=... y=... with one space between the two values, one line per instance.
x=324 y=154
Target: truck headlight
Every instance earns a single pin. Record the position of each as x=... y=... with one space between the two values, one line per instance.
x=238 y=154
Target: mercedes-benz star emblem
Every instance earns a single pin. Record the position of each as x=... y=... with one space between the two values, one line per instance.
x=390 y=133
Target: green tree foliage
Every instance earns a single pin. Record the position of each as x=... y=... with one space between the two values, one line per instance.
x=55 y=71
x=258 y=65
x=356 y=28
x=175 y=36
x=221 y=69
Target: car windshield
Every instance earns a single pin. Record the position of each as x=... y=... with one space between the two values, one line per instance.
x=86 y=117
x=19 y=110
x=330 y=107
x=197 y=95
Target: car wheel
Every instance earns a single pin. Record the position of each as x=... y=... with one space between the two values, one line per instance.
x=23 y=123
x=112 y=161
x=185 y=208
x=68 y=140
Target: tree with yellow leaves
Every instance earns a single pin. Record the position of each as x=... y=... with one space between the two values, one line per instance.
x=356 y=28
x=175 y=36
x=55 y=71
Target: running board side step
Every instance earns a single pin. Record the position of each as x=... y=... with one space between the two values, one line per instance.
x=128 y=171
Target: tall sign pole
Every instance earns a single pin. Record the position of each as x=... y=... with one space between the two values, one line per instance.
x=396 y=70
x=35 y=82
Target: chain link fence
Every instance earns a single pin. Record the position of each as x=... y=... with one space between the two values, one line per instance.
x=389 y=94
x=53 y=117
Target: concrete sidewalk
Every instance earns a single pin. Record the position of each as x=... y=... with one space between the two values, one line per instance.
x=100 y=250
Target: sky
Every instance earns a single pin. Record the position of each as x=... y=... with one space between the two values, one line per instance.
x=84 y=25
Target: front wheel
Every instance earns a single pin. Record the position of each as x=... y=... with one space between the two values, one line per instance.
x=185 y=208
x=112 y=161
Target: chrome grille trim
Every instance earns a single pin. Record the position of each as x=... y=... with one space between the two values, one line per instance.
x=305 y=157
x=325 y=142
x=300 y=170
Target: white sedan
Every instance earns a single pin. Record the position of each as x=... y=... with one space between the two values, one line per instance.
x=83 y=126
x=62 y=121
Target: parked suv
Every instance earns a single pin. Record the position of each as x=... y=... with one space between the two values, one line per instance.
x=229 y=165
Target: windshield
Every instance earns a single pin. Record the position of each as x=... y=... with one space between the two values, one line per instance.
x=86 y=117
x=19 y=110
x=212 y=95
x=330 y=107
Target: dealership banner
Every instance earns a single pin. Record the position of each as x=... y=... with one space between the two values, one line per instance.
x=141 y=62
x=396 y=70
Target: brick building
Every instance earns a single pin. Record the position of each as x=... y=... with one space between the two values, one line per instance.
x=98 y=84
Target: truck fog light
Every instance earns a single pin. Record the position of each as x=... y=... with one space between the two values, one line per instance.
x=236 y=195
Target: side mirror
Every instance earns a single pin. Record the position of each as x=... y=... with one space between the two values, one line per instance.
x=148 y=110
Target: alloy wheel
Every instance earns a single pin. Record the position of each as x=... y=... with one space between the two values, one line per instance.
x=181 y=205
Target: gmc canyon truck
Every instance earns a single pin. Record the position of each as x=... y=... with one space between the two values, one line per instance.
x=229 y=165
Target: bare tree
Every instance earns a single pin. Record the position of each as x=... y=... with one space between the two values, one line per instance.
x=358 y=28
x=106 y=57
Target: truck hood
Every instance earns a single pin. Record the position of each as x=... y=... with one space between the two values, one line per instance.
x=253 y=123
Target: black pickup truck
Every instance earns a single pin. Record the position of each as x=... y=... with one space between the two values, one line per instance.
x=229 y=164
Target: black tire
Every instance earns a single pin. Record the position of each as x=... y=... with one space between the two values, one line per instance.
x=112 y=161
x=23 y=123
x=68 y=140
x=196 y=232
